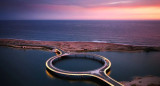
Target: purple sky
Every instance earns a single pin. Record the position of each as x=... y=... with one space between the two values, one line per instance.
x=80 y=9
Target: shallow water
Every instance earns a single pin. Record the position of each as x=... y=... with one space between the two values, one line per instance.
x=27 y=67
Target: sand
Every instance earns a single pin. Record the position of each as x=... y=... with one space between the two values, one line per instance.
x=75 y=46
x=143 y=81
x=88 y=47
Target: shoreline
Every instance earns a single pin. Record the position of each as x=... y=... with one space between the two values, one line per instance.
x=75 y=46
x=88 y=47
x=143 y=81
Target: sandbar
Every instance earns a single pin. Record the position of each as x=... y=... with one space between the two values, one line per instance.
x=75 y=46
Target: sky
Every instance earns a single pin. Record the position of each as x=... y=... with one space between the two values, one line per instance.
x=80 y=10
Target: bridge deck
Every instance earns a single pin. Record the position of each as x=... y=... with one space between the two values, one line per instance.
x=98 y=73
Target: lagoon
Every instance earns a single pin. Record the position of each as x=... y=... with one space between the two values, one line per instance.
x=21 y=67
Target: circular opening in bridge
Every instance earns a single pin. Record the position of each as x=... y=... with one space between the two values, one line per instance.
x=78 y=63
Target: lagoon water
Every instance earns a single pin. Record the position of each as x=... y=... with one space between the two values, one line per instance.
x=27 y=67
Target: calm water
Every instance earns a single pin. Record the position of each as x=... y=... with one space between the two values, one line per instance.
x=124 y=32
x=78 y=64
x=27 y=67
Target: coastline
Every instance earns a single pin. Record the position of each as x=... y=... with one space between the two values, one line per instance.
x=88 y=47
x=75 y=46
x=143 y=81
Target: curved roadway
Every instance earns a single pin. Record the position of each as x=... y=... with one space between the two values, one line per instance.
x=98 y=73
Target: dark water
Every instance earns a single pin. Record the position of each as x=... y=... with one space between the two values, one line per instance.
x=27 y=67
x=124 y=32
x=125 y=66
x=78 y=64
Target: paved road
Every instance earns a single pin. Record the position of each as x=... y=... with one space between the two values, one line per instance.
x=98 y=73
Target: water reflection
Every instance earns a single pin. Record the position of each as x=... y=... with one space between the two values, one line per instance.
x=88 y=80
x=21 y=62
x=49 y=74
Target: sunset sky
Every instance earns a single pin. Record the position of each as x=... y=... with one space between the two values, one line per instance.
x=80 y=9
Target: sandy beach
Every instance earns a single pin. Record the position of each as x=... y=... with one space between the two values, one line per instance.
x=75 y=46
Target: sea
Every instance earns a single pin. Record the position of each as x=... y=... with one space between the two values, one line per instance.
x=121 y=32
x=26 y=67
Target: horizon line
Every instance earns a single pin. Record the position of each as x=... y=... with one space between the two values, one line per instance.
x=85 y=19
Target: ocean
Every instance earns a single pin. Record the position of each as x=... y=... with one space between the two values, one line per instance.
x=26 y=67
x=121 y=32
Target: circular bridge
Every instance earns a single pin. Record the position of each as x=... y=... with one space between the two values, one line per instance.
x=99 y=73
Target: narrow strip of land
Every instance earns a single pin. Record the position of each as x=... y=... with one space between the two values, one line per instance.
x=75 y=46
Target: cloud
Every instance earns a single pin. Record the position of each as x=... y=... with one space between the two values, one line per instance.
x=120 y=2
x=85 y=9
